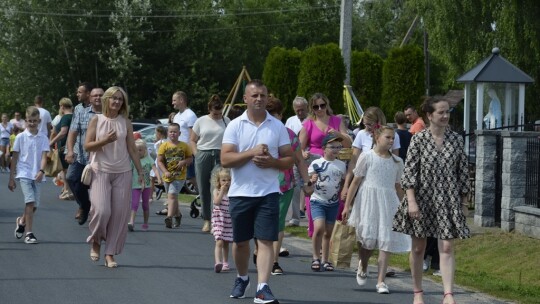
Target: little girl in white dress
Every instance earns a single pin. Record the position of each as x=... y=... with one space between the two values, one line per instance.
x=378 y=175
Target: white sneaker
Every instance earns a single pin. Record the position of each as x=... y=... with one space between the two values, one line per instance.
x=437 y=273
x=382 y=288
x=361 y=277
x=427 y=262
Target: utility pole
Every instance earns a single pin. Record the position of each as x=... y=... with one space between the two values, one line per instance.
x=345 y=36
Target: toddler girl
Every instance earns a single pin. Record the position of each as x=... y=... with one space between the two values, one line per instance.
x=377 y=174
x=221 y=218
x=161 y=136
x=142 y=191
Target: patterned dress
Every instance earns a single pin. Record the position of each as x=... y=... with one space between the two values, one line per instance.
x=439 y=178
x=221 y=221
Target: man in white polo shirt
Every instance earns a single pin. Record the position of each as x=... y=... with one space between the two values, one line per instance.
x=255 y=146
x=300 y=107
x=185 y=118
x=45 y=125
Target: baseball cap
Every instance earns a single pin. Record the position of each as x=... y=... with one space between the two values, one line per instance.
x=330 y=138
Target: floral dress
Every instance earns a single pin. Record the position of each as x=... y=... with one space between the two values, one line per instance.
x=440 y=178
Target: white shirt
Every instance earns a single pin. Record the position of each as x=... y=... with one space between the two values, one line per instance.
x=294 y=124
x=330 y=174
x=56 y=120
x=6 y=131
x=186 y=120
x=248 y=179
x=30 y=148
x=210 y=132
x=18 y=123
x=45 y=117
x=364 y=141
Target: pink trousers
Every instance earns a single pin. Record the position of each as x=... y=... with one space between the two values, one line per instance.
x=110 y=194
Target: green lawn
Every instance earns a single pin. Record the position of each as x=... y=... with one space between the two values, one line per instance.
x=504 y=265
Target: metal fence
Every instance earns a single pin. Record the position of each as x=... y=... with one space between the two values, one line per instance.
x=532 y=173
x=532 y=189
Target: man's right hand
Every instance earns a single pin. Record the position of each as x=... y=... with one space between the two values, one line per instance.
x=70 y=157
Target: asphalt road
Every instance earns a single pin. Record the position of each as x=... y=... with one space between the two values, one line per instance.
x=162 y=265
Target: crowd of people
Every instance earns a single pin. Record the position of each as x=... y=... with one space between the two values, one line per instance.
x=400 y=189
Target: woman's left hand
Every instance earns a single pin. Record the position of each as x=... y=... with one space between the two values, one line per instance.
x=465 y=210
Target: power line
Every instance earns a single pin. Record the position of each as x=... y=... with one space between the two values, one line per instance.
x=176 y=16
x=196 y=30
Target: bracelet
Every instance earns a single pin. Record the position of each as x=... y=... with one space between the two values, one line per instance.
x=42 y=171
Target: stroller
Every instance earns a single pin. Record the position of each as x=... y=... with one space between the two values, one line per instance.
x=188 y=188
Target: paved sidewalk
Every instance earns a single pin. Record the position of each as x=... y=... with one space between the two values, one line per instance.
x=433 y=290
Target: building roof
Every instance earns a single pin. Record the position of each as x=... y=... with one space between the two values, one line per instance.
x=495 y=68
x=454 y=97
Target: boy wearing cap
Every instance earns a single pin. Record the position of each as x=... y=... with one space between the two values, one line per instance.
x=327 y=175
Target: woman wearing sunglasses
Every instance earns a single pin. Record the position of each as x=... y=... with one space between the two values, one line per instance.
x=319 y=123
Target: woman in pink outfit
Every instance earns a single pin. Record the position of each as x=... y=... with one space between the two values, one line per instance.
x=111 y=146
x=319 y=123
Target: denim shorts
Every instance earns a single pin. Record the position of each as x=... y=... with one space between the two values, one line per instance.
x=327 y=212
x=255 y=217
x=31 y=191
x=4 y=141
x=174 y=187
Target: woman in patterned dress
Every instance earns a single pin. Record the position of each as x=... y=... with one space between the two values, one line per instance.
x=435 y=180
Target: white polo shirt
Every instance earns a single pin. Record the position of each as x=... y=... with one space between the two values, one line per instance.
x=250 y=180
x=186 y=120
x=364 y=141
x=30 y=148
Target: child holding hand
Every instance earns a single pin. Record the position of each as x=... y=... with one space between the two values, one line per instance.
x=377 y=177
x=221 y=218
x=327 y=175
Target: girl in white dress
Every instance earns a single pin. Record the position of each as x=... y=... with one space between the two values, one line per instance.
x=377 y=174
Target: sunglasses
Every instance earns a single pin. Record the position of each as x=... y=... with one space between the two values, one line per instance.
x=321 y=106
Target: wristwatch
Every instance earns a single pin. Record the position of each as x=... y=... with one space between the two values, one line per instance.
x=309 y=184
x=42 y=171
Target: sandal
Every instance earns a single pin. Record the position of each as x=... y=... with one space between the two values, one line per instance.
x=448 y=294
x=94 y=254
x=276 y=269
x=419 y=292
x=162 y=211
x=316 y=265
x=327 y=266
x=283 y=252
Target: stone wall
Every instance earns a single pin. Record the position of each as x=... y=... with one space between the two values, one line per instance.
x=484 y=196
x=514 y=215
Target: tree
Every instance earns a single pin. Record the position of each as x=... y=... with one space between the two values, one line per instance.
x=366 y=77
x=322 y=70
x=280 y=75
x=403 y=79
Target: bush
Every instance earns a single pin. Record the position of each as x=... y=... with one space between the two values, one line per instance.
x=280 y=75
x=403 y=79
x=366 y=77
x=322 y=70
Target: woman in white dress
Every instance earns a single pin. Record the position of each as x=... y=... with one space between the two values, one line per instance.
x=377 y=174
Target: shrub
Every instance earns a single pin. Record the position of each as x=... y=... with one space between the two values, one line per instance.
x=322 y=70
x=403 y=79
x=366 y=77
x=280 y=75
